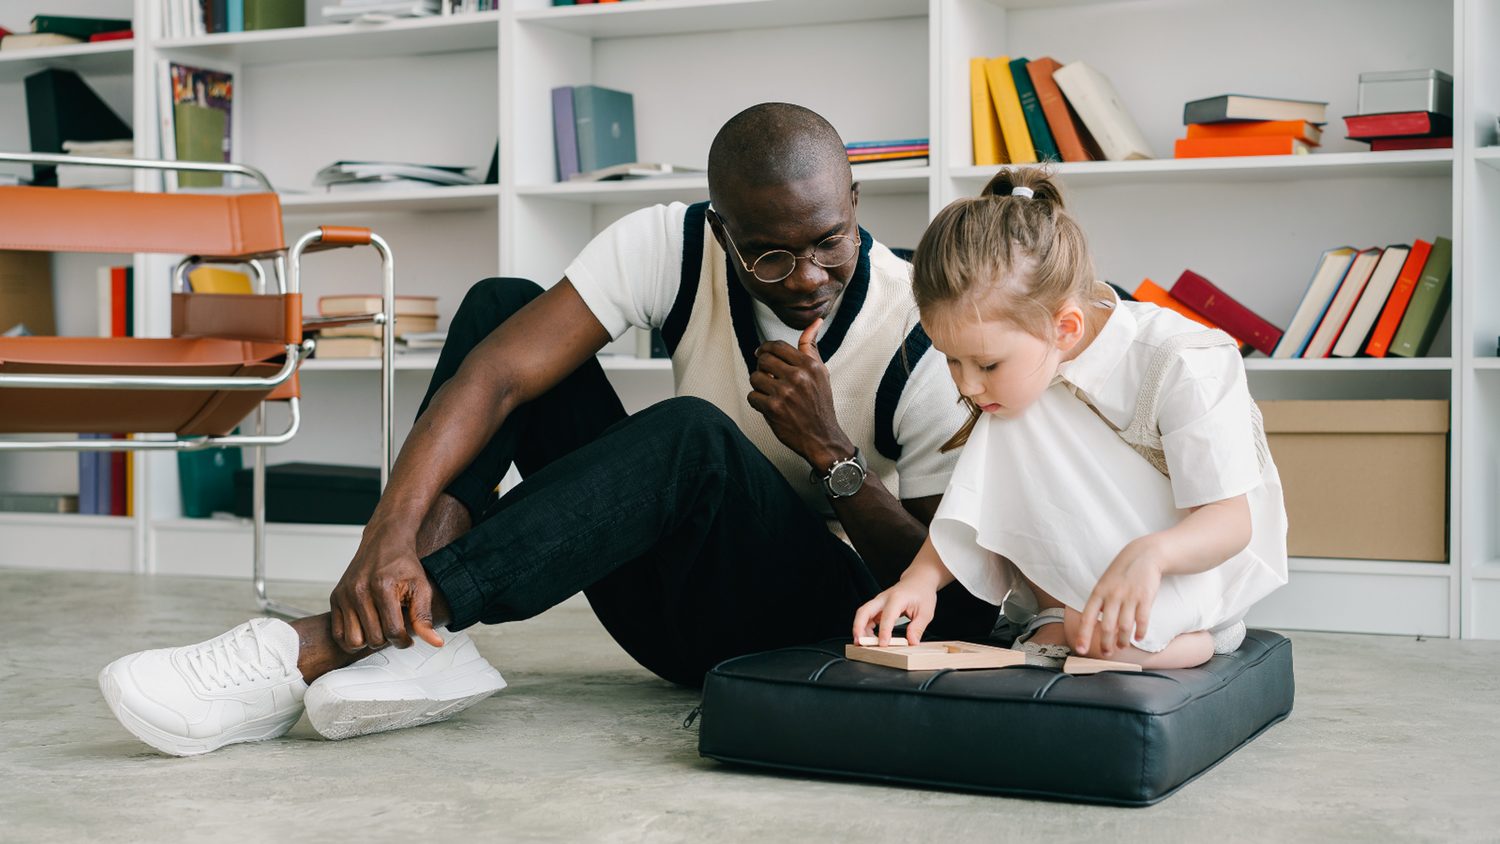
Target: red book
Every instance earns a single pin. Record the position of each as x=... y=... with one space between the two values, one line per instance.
x=1383 y=144
x=117 y=298
x=1238 y=321
x=119 y=35
x=1226 y=147
x=117 y=484
x=1398 y=124
x=1395 y=306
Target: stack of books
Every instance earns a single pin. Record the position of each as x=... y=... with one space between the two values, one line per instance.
x=414 y=315
x=1234 y=124
x=1027 y=111
x=386 y=175
x=61 y=30
x=189 y=18
x=1196 y=298
x=1373 y=302
x=905 y=153
x=1404 y=109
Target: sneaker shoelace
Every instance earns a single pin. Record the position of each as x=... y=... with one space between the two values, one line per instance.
x=226 y=661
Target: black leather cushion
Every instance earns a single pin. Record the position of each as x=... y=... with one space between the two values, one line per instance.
x=1125 y=739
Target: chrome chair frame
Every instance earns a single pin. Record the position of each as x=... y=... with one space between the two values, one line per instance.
x=287 y=273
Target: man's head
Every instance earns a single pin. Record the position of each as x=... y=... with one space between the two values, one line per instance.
x=779 y=179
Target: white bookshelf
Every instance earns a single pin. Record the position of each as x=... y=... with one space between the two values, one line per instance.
x=443 y=90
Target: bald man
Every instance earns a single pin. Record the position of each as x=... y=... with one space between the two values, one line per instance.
x=791 y=479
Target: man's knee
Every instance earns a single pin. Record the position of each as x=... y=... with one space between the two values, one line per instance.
x=494 y=300
x=690 y=416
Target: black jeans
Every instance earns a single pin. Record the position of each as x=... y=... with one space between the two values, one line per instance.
x=690 y=545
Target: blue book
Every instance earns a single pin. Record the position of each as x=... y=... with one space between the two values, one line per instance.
x=88 y=479
x=236 y=15
x=606 y=127
x=564 y=132
x=909 y=142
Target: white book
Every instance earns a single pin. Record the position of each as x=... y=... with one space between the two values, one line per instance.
x=1343 y=303
x=105 y=303
x=1325 y=282
x=167 y=122
x=1371 y=302
x=1099 y=107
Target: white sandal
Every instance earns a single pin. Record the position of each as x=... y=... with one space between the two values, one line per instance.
x=1046 y=656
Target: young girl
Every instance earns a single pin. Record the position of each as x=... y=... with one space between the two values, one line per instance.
x=1114 y=477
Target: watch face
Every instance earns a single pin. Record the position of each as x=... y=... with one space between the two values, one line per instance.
x=846 y=479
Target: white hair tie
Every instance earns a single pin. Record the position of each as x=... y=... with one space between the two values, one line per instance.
x=1020 y=191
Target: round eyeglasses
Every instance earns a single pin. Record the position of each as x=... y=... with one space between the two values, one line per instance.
x=776 y=265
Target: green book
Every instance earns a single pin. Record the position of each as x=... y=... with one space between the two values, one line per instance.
x=1036 y=119
x=1428 y=305
x=605 y=121
x=200 y=137
x=206 y=478
x=80 y=28
x=274 y=14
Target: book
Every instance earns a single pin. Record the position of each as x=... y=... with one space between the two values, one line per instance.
x=989 y=149
x=345 y=172
x=274 y=14
x=1072 y=138
x=103 y=311
x=1031 y=106
x=893 y=146
x=202 y=91
x=60 y=107
x=380 y=11
x=886 y=156
x=1308 y=133
x=1013 y=131
x=103 y=482
x=1395 y=305
x=404 y=325
x=904 y=142
x=218 y=280
x=605 y=123
x=1408 y=124
x=119 y=295
x=38 y=502
x=1343 y=302
x=32 y=42
x=564 y=133
x=1235 y=319
x=1386 y=144
x=122 y=35
x=348 y=347
x=1228 y=107
x=632 y=170
x=1326 y=278
x=236 y=13
x=1362 y=320
x=1150 y=291
x=119 y=486
x=26 y=293
x=1428 y=305
x=424 y=339
x=74 y=27
x=1099 y=107
x=369 y=304
x=88 y=479
x=1229 y=147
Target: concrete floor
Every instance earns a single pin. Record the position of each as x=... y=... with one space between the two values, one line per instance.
x=1391 y=739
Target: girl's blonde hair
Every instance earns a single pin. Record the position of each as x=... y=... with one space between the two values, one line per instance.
x=1011 y=258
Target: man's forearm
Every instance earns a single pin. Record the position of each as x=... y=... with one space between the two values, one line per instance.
x=886 y=536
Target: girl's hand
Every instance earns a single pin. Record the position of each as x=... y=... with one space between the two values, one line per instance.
x=1122 y=600
x=915 y=596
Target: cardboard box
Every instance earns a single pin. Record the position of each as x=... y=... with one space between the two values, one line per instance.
x=1365 y=480
x=26 y=291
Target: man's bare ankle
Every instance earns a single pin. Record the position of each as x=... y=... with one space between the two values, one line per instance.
x=318 y=653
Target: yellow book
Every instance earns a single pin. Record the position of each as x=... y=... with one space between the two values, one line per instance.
x=988 y=150
x=1008 y=108
x=215 y=280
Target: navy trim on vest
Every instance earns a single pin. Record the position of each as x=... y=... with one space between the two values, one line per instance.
x=687 y=288
x=742 y=307
x=892 y=385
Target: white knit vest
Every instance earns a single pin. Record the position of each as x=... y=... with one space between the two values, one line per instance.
x=708 y=350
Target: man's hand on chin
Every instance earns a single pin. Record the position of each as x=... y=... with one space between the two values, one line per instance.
x=790 y=388
x=384 y=595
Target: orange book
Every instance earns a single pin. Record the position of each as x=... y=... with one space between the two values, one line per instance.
x=1395 y=306
x=1225 y=147
x=1303 y=131
x=1068 y=132
x=1150 y=291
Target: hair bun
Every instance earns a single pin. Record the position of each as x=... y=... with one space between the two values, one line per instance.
x=1035 y=179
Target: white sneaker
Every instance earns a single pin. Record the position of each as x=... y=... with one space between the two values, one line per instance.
x=402 y=687
x=241 y=686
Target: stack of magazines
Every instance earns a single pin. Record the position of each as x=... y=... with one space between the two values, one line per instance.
x=375 y=11
x=383 y=175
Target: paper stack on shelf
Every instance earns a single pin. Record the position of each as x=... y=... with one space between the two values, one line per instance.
x=386 y=175
x=379 y=11
x=633 y=170
x=419 y=341
x=107 y=178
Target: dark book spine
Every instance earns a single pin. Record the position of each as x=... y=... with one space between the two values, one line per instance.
x=1201 y=295
x=1036 y=119
x=1211 y=110
x=1428 y=305
x=565 y=132
x=80 y=28
x=41 y=116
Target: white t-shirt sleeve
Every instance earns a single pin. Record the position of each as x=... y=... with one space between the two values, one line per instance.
x=1206 y=432
x=630 y=273
x=928 y=415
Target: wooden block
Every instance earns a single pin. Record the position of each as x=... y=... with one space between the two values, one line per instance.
x=874 y=641
x=933 y=656
x=1084 y=665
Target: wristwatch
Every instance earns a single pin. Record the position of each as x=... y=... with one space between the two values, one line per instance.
x=844 y=478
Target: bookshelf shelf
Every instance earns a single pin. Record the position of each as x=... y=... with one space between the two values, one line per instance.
x=677 y=17
x=405 y=37
x=1334 y=165
x=455 y=198
x=1487 y=363
x=107 y=58
x=1349 y=365
x=1488 y=156
x=694 y=187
